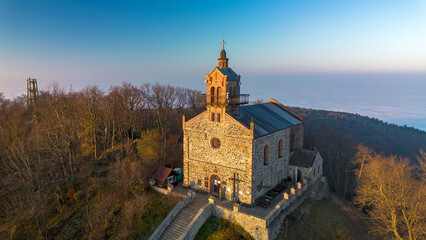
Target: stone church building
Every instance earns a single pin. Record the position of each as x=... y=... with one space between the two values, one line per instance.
x=239 y=151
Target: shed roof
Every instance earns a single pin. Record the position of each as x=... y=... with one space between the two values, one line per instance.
x=303 y=158
x=267 y=117
x=162 y=173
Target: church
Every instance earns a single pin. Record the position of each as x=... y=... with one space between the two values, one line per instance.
x=238 y=151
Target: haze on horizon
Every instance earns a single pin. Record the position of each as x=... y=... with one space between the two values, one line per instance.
x=367 y=57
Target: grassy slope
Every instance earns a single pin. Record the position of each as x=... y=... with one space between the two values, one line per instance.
x=326 y=219
x=215 y=229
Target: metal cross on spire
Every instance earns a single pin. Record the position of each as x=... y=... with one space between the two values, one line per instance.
x=223 y=43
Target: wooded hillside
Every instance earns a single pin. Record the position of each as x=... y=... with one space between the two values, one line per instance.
x=76 y=164
x=337 y=135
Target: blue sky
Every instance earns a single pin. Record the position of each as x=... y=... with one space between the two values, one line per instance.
x=177 y=42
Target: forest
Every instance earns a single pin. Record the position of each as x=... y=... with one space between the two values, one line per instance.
x=76 y=164
x=337 y=135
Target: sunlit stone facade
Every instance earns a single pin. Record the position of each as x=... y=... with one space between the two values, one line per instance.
x=233 y=151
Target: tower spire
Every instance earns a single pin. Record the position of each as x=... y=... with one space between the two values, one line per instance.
x=223 y=61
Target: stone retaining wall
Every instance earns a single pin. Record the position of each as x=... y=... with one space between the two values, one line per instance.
x=269 y=227
x=260 y=228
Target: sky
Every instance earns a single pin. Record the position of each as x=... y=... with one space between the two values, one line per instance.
x=359 y=56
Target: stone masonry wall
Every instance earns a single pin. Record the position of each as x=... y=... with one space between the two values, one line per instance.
x=201 y=160
x=267 y=176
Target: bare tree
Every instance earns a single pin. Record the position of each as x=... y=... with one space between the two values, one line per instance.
x=395 y=199
x=30 y=178
x=91 y=118
x=162 y=99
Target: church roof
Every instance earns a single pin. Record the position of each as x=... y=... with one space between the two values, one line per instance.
x=267 y=117
x=303 y=158
x=227 y=72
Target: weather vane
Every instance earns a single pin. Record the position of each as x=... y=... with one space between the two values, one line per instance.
x=223 y=43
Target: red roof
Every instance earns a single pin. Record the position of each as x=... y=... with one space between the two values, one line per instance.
x=162 y=173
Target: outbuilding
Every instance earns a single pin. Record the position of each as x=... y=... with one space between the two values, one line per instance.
x=165 y=176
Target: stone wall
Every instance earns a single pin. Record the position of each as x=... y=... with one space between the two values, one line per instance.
x=269 y=227
x=260 y=228
x=256 y=227
x=200 y=218
x=268 y=176
x=234 y=156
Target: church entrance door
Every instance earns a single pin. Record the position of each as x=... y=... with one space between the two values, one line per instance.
x=214 y=184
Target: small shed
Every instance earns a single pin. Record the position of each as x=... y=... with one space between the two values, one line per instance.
x=180 y=174
x=164 y=176
x=305 y=164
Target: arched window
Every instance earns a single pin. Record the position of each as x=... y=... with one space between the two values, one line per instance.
x=292 y=142
x=280 y=148
x=266 y=155
x=218 y=94
x=212 y=94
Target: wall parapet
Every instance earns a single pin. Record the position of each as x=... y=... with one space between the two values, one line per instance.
x=197 y=222
x=284 y=204
x=172 y=214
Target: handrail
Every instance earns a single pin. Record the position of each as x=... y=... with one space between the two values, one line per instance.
x=225 y=100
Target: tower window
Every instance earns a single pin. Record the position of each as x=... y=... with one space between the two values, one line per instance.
x=280 y=148
x=212 y=92
x=292 y=142
x=212 y=117
x=218 y=117
x=266 y=155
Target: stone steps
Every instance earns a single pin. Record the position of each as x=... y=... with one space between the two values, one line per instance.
x=181 y=221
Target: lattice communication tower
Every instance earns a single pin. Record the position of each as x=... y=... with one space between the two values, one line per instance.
x=32 y=90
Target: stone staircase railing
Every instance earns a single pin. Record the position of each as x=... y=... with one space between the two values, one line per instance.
x=169 y=218
x=196 y=223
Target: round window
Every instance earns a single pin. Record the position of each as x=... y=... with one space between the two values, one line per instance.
x=215 y=142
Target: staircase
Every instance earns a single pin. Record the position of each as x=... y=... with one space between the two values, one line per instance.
x=182 y=220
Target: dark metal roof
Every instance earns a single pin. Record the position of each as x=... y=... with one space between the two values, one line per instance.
x=267 y=117
x=229 y=72
x=162 y=173
x=303 y=158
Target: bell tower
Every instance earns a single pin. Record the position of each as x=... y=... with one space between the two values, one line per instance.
x=223 y=88
x=223 y=61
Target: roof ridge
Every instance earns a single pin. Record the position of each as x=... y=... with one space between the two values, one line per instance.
x=285 y=108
